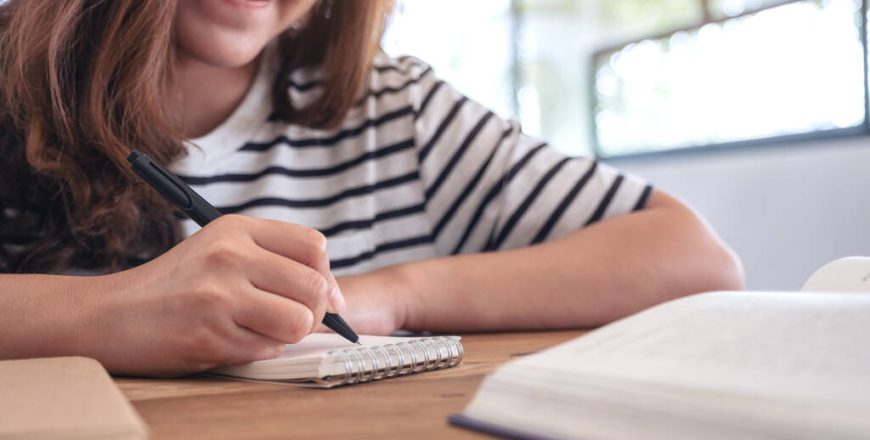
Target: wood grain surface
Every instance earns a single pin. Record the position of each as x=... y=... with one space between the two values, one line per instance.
x=414 y=406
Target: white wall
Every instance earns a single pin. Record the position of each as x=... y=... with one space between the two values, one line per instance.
x=785 y=209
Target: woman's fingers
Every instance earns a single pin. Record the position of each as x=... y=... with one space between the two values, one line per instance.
x=248 y=346
x=276 y=316
x=301 y=244
x=289 y=279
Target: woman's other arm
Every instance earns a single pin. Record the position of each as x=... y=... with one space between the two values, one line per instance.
x=530 y=237
x=590 y=277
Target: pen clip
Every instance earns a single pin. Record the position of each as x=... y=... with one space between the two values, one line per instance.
x=163 y=181
x=173 y=189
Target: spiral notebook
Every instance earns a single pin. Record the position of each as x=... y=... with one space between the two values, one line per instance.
x=327 y=360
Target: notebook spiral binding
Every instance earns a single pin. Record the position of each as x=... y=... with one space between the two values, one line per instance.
x=365 y=364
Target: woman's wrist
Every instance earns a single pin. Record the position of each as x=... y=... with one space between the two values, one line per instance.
x=379 y=301
x=396 y=286
x=100 y=293
x=83 y=330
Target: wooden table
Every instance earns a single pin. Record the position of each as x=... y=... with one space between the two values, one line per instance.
x=406 y=407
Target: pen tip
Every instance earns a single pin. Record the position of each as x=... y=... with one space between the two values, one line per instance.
x=358 y=343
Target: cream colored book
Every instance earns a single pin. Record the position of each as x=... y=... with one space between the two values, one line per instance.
x=63 y=398
x=724 y=365
x=327 y=360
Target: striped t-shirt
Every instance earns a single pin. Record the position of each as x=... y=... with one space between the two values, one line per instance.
x=416 y=170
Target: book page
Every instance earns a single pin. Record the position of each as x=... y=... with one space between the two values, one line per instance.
x=806 y=346
x=753 y=365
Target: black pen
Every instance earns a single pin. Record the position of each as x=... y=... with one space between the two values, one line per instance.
x=202 y=212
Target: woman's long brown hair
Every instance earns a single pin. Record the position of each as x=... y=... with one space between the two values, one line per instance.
x=84 y=82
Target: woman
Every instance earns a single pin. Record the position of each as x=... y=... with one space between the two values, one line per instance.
x=433 y=213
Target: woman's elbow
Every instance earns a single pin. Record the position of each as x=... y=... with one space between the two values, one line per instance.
x=709 y=263
x=726 y=269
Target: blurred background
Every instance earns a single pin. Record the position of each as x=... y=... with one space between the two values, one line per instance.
x=753 y=111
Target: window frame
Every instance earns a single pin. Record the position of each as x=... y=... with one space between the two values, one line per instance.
x=862 y=129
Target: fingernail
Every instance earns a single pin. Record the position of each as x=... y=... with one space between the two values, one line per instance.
x=271 y=353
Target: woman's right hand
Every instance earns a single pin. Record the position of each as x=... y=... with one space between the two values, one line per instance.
x=234 y=292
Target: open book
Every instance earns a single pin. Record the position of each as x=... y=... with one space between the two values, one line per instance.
x=722 y=365
x=326 y=360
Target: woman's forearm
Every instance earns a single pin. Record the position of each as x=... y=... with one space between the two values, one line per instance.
x=44 y=315
x=601 y=273
x=217 y=298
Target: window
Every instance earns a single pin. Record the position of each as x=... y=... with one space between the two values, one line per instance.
x=791 y=69
x=555 y=41
x=733 y=8
x=714 y=72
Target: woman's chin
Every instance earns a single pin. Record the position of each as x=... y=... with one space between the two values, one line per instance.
x=239 y=52
x=231 y=33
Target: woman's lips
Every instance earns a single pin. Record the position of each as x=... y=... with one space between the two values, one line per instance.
x=253 y=4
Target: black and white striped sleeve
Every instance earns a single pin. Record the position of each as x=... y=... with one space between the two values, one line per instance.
x=488 y=186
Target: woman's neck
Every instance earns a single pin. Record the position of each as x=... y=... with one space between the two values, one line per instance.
x=210 y=94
